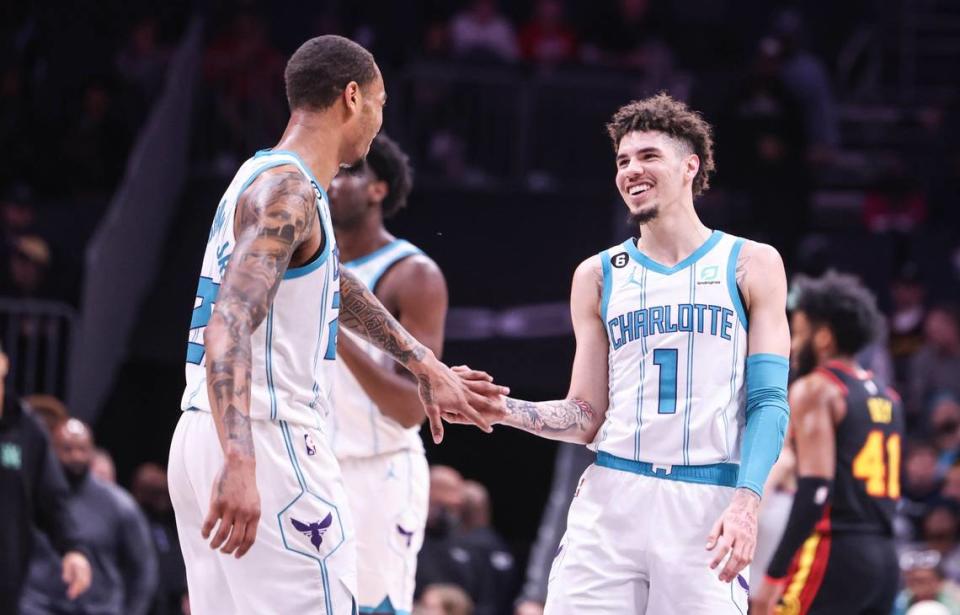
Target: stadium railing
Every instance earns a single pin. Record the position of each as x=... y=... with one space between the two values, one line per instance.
x=36 y=337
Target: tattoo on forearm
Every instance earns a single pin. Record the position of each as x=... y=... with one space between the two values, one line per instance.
x=273 y=218
x=362 y=313
x=426 y=388
x=551 y=416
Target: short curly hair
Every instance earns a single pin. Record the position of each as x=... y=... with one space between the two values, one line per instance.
x=321 y=68
x=842 y=303
x=663 y=113
x=391 y=165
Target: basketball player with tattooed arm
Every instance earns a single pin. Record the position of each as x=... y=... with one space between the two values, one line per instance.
x=261 y=511
x=679 y=384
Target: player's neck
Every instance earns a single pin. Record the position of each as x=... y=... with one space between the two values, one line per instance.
x=673 y=235
x=316 y=139
x=365 y=238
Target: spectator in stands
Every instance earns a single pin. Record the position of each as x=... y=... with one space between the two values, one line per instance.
x=113 y=528
x=149 y=489
x=547 y=38
x=925 y=581
x=34 y=494
x=50 y=410
x=492 y=561
x=143 y=61
x=442 y=558
x=17 y=212
x=806 y=77
x=245 y=71
x=761 y=136
x=945 y=423
x=626 y=34
x=441 y=599
x=906 y=319
x=940 y=534
x=102 y=466
x=28 y=265
x=895 y=204
x=921 y=484
x=935 y=366
x=96 y=142
x=569 y=465
x=481 y=32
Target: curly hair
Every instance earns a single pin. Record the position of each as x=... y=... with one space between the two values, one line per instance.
x=389 y=164
x=662 y=113
x=840 y=302
x=322 y=67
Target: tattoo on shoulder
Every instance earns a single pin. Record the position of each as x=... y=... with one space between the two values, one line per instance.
x=742 y=261
x=362 y=312
x=552 y=416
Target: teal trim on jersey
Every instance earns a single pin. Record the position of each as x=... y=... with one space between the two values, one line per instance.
x=767 y=415
x=286 y=152
x=732 y=287
x=689 y=389
x=296 y=272
x=384 y=608
x=607 y=273
x=305 y=490
x=269 y=366
x=366 y=258
x=721 y=474
x=653 y=265
x=643 y=360
x=394 y=259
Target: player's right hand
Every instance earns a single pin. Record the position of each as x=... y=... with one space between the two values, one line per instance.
x=235 y=504
x=488 y=398
x=76 y=574
x=448 y=397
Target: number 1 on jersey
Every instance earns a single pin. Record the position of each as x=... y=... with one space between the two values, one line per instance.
x=666 y=360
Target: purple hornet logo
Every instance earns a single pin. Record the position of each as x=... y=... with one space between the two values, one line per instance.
x=743 y=583
x=314 y=530
x=405 y=534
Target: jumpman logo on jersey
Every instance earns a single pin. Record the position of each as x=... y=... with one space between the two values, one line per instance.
x=391 y=471
x=632 y=279
x=408 y=534
x=314 y=530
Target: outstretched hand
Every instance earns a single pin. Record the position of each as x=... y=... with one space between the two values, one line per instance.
x=446 y=396
x=487 y=398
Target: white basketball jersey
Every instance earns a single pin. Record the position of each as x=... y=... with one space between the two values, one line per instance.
x=359 y=429
x=678 y=346
x=294 y=348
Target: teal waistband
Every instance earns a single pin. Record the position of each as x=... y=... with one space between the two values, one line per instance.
x=722 y=474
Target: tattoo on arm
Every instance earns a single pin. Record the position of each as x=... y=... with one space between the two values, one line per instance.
x=561 y=416
x=273 y=218
x=362 y=313
x=742 y=269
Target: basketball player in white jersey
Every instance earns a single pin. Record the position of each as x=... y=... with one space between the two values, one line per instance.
x=262 y=516
x=375 y=427
x=679 y=384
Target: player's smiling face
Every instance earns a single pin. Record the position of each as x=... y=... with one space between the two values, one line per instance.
x=653 y=170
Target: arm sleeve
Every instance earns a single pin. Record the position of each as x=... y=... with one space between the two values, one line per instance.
x=767 y=417
x=140 y=570
x=52 y=513
x=812 y=496
x=572 y=460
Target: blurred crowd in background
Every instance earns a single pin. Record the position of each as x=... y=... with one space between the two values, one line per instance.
x=833 y=143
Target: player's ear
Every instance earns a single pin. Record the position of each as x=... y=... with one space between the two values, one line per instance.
x=823 y=339
x=352 y=97
x=692 y=166
x=4 y=365
x=377 y=191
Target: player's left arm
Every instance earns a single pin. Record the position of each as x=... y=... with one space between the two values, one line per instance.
x=763 y=282
x=441 y=391
x=813 y=402
x=419 y=291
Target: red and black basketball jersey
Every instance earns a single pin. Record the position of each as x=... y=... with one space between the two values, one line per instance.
x=867 y=482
